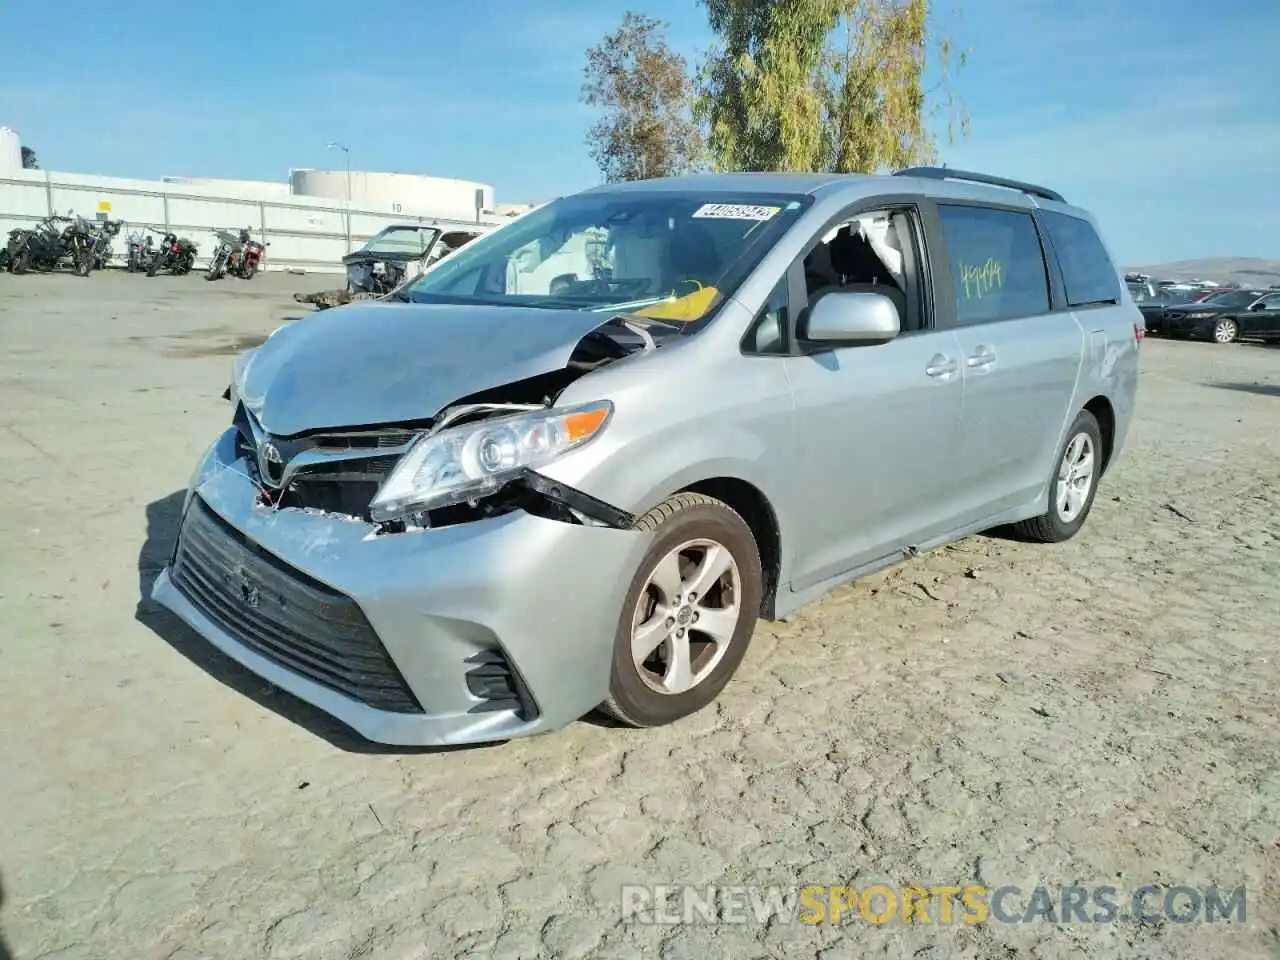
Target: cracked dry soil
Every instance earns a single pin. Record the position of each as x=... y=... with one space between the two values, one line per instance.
x=1100 y=712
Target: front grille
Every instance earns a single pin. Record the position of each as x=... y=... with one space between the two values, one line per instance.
x=284 y=615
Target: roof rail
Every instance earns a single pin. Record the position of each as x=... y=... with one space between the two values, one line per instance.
x=946 y=173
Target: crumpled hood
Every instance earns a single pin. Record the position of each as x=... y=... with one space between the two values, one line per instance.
x=371 y=363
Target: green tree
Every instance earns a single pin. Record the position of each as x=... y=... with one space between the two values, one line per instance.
x=646 y=94
x=832 y=85
x=29 y=159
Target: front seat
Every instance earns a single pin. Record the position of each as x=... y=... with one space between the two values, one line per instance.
x=862 y=271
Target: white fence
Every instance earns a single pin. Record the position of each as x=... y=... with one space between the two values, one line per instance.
x=305 y=233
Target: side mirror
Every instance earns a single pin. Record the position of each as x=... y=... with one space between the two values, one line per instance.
x=850 y=320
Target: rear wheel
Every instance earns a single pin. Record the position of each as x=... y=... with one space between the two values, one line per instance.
x=1073 y=485
x=689 y=613
x=20 y=262
x=249 y=271
x=1225 y=330
x=154 y=266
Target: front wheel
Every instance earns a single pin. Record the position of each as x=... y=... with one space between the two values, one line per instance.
x=249 y=270
x=154 y=266
x=184 y=264
x=1072 y=486
x=215 y=269
x=81 y=263
x=20 y=262
x=689 y=613
x=1225 y=330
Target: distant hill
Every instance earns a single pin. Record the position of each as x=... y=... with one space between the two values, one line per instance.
x=1247 y=271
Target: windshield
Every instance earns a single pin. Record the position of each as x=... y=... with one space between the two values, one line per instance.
x=1232 y=298
x=675 y=255
x=411 y=240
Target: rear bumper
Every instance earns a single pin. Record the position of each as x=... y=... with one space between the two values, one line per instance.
x=498 y=629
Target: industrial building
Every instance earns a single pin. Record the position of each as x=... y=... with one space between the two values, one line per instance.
x=311 y=219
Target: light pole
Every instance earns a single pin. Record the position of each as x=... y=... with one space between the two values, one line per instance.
x=346 y=153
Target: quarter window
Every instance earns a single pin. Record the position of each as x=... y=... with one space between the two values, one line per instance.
x=997 y=264
x=1088 y=275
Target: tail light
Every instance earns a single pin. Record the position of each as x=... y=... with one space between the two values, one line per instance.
x=1139 y=332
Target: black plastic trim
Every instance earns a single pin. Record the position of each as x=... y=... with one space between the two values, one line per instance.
x=575 y=499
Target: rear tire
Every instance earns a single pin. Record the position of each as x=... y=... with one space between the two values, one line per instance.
x=1225 y=330
x=20 y=262
x=679 y=675
x=1071 y=492
x=154 y=266
x=249 y=271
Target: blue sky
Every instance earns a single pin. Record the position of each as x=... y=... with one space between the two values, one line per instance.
x=1161 y=116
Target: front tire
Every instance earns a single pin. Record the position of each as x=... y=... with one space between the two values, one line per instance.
x=689 y=612
x=1072 y=487
x=154 y=266
x=1225 y=330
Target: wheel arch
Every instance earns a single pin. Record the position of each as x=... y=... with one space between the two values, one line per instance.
x=1102 y=410
x=750 y=503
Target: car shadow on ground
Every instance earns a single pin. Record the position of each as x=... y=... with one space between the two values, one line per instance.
x=163 y=517
x=1262 y=389
x=5 y=952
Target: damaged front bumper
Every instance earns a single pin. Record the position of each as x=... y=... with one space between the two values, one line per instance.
x=480 y=631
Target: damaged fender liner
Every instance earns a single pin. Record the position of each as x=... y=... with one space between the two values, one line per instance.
x=575 y=499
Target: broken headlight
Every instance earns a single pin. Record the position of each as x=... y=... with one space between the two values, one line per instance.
x=465 y=463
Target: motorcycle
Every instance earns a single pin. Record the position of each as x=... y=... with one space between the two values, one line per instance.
x=40 y=247
x=237 y=254
x=102 y=234
x=251 y=257
x=175 y=254
x=139 y=249
x=78 y=244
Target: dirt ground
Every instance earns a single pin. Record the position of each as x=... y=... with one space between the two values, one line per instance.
x=1101 y=712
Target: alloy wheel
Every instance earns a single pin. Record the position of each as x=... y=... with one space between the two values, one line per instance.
x=686 y=616
x=1075 y=477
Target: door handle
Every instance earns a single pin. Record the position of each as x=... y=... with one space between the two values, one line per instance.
x=982 y=357
x=941 y=366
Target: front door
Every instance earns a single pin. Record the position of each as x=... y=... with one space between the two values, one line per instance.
x=1263 y=318
x=877 y=427
x=877 y=434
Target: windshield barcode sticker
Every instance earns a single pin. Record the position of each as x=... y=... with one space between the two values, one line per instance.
x=735 y=211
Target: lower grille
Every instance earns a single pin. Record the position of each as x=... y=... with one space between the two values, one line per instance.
x=499 y=686
x=284 y=615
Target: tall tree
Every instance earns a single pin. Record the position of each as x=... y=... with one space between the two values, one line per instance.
x=646 y=94
x=29 y=159
x=835 y=85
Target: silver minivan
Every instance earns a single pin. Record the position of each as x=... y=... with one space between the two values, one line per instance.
x=572 y=464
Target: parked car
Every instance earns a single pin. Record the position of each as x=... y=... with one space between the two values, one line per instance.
x=396 y=255
x=1223 y=317
x=1153 y=301
x=570 y=466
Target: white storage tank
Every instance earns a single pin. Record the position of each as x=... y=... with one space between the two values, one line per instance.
x=10 y=149
x=400 y=192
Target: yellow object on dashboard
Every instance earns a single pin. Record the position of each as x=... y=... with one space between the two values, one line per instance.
x=686 y=309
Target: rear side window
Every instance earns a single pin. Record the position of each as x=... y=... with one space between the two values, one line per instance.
x=1088 y=275
x=997 y=263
